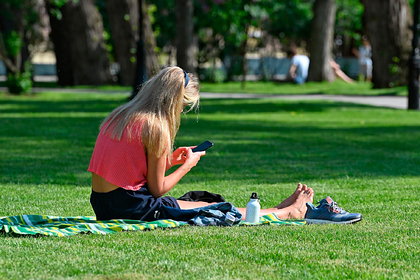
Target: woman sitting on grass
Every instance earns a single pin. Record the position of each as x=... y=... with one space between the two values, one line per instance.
x=134 y=150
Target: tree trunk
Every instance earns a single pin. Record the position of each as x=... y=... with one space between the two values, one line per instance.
x=79 y=45
x=17 y=32
x=243 y=55
x=123 y=20
x=387 y=25
x=12 y=29
x=152 y=64
x=147 y=63
x=141 y=73
x=185 y=53
x=321 y=41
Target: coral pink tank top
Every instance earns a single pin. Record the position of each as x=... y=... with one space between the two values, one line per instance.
x=120 y=162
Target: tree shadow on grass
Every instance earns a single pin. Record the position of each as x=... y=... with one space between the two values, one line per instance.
x=231 y=106
x=57 y=150
x=41 y=106
x=227 y=106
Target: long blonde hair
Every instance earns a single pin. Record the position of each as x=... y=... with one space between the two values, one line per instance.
x=158 y=105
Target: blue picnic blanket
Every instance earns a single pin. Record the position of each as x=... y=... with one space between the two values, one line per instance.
x=212 y=215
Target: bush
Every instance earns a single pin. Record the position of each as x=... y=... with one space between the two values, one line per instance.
x=19 y=83
x=212 y=75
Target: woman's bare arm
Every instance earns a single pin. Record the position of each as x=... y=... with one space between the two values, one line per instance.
x=157 y=182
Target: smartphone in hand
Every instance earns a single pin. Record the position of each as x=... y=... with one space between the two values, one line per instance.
x=203 y=146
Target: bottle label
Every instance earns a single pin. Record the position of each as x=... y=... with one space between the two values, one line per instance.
x=252 y=213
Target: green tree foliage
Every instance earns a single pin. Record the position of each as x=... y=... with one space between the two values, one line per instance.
x=163 y=18
x=348 y=21
x=21 y=30
x=107 y=29
x=348 y=28
x=223 y=31
x=221 y=25
x=290 y=20
x=17 y=20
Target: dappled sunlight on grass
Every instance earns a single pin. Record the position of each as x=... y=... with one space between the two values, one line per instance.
x=366 y=158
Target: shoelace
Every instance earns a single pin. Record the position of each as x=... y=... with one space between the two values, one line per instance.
x=333 y=207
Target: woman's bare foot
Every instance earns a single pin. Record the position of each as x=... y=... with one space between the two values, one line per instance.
x=288 y=201
x=311 y=193
x=298 y=208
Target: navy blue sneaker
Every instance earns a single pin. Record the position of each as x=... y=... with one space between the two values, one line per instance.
x=328 y=212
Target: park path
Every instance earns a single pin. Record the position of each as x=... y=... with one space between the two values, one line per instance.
x=396 y=102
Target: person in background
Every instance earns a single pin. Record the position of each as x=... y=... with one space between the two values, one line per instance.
x=298 y=71
x=364 y=54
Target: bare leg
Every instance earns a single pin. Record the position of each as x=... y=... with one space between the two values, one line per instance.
x=192 y=204
x=343 y=76
x=295 y=210
x=340 y=74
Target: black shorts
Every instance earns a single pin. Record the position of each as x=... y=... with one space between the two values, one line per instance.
x=125 y=204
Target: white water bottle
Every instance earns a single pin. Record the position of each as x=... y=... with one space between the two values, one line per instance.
x=253 y=209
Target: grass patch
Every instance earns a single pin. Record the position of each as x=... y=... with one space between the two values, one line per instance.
x=337 y=87
x=365 y=158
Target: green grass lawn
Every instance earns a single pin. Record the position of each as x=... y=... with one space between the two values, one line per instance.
x=337 y=87
x=366 y=158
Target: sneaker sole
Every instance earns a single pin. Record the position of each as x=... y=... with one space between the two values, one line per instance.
x=315 y=221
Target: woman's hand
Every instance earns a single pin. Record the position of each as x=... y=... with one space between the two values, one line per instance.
x=179 y=156
x=192 y=158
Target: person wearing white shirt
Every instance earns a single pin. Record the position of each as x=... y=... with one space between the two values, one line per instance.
x=364 y=54
x=299 y=66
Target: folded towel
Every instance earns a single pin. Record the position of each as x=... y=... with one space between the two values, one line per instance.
x=66 y=226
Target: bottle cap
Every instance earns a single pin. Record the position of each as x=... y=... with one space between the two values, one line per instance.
x=254 y=196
